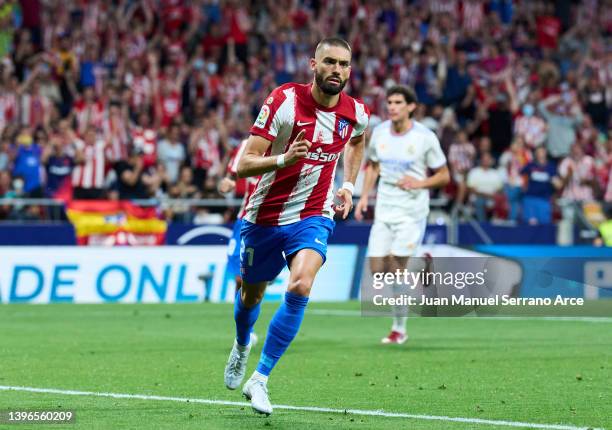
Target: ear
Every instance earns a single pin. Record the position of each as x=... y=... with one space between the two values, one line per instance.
x=313 y=64
x=412 y=107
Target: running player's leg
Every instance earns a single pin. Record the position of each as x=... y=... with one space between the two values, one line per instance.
x=400 y=313
x=406 y=240
x=382 y=236
x=288 y=318
x=261 y=261
x=306 y=249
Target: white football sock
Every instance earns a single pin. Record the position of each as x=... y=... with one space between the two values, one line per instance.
x=259 y=377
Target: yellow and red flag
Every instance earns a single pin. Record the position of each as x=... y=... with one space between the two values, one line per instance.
x=115 y=223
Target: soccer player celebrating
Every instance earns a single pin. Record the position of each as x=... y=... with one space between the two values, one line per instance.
x=295 y=144
x=400 y=152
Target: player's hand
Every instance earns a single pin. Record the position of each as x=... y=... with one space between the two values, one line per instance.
x=226 y=185
x=298 y=149
x=361 y=208
x=409 y=183
x=344 y=203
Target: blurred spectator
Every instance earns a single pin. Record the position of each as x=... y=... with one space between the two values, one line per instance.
x=27 y=163
x=144 y=137
x=59 y=162
x=461 y=157
x=484 y=183
x=88 y=177
x=214 y=214
x=205 y=145
x=607 y=175
x=457 y=80
x=596 y=105
x=578 y=174
x=529 y=127
x=88 y=111
x=134 y=181
x=184 y=189
x=540 y=184
x=5 y=157
x=563 y=116
x=171 y=152
x=493 y=69
x=511 y=163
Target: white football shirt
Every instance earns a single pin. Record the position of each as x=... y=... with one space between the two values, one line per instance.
x=410 y=153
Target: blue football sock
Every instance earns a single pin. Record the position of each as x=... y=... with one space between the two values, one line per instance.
x=245 y=319
x=283 y=328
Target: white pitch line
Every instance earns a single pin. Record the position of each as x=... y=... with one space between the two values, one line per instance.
x=377 y=413
x=350 y=313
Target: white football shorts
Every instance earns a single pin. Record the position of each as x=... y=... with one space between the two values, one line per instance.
x=398 y=239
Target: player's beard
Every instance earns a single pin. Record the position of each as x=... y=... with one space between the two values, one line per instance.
x=327 y=87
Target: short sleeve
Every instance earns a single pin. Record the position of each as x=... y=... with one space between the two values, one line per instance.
x=362 y=117
x=276 y=112
x=435 y=157
x=232 y=166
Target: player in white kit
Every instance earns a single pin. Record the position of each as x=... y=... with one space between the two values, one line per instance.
x=401 y=152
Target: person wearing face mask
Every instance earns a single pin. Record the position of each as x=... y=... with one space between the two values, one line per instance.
x=529 y=127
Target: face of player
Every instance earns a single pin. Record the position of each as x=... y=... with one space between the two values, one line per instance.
x=398 y=108
x=332 y=68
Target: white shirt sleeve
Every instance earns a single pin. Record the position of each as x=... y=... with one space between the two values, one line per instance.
x=435 y=157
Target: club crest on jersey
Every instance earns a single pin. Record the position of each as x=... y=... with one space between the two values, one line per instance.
x=343 y=128
x=262 y=118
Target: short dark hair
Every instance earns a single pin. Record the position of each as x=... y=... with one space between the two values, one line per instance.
x=334 y=41
x=407 y=92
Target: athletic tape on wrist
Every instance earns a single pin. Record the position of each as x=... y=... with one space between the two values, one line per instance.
x=349 y=187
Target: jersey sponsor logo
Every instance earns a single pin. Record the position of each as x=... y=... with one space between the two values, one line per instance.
x=343 y=128
x=262 y=118
x=301 y=123
x=319 y=155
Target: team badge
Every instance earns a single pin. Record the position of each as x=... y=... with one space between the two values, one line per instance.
x=262 y=118
x=343 y=128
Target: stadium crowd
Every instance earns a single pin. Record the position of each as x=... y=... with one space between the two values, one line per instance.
x=133 y=99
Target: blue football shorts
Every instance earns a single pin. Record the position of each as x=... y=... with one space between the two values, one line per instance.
x=233 y=250
x=265 y=250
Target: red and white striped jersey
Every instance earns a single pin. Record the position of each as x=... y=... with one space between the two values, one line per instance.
x=114 y=131
x=142 y=90
x=92 y=114
x=251 y=182
x=583 y=171
x=92 y=173
x=208 y=153
x=8 y=109
x=33 y=109
x=145 y=139
x=292 y=193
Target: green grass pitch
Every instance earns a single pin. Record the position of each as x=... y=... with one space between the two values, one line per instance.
x=532 y=371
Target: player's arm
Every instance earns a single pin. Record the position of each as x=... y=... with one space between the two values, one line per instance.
x=371 y=175
x=439 y=179
x=254 y=162
x=353 y=153
x=436 y=161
